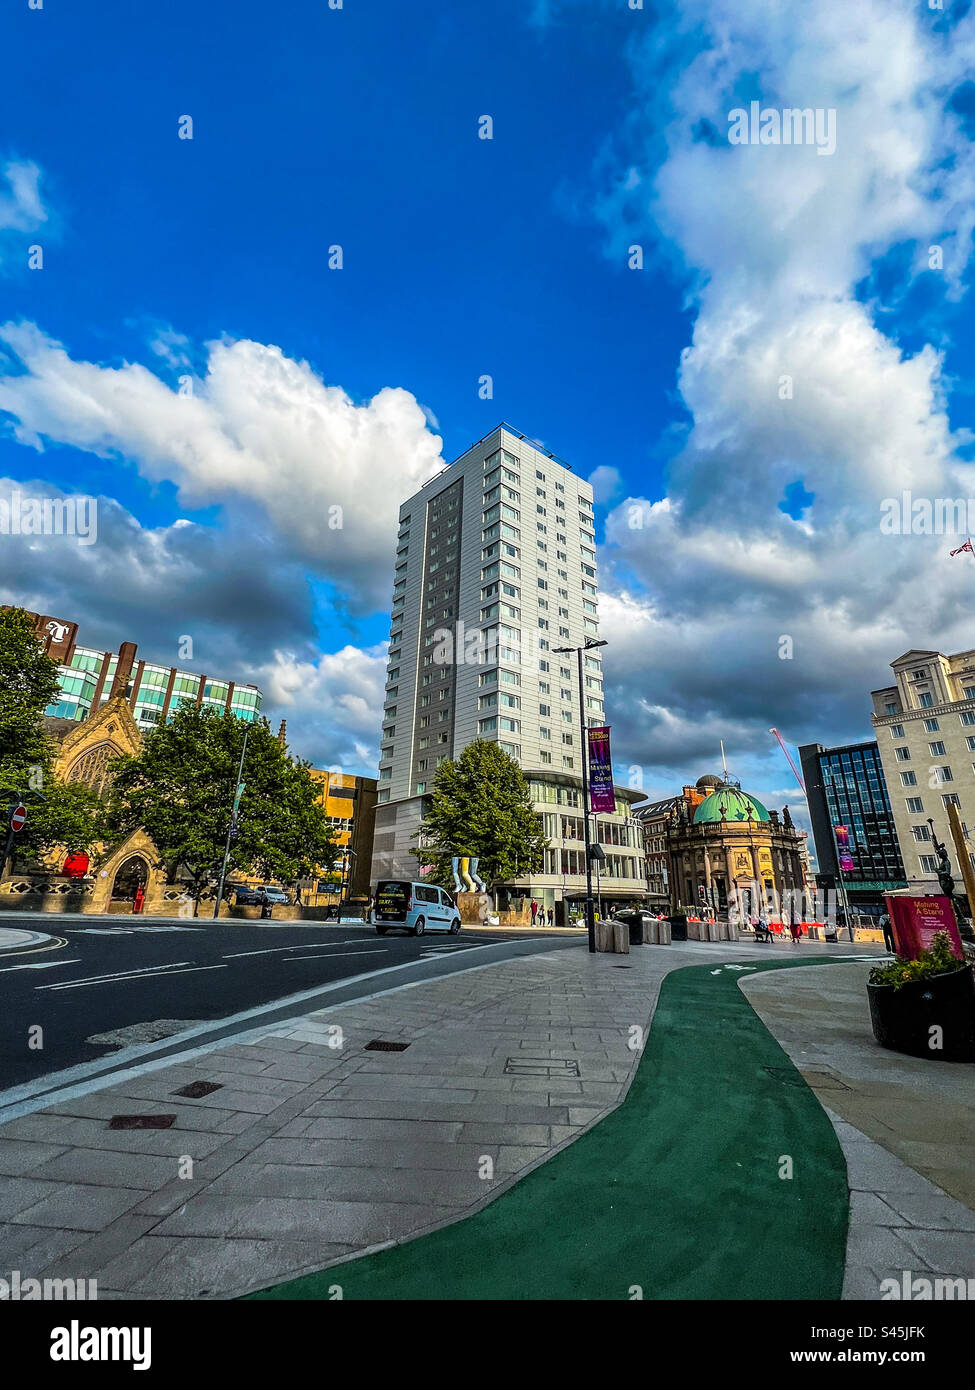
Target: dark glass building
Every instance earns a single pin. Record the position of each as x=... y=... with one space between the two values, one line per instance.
x=845 y=786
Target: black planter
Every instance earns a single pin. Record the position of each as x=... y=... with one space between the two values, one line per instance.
x=678 y=926
x=902 y=1018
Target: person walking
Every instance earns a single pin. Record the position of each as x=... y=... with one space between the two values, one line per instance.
x=794 y=926
x=534 y=911
x=887 y=927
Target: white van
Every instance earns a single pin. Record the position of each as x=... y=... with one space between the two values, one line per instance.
x=414 y=907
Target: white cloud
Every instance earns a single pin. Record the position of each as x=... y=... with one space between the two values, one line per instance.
x=788 y=377
x=260 y=429
x=606 y=483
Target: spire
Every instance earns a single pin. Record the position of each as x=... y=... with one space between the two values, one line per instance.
x=282 y=739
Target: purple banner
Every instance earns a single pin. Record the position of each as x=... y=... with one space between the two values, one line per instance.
x=602 y=797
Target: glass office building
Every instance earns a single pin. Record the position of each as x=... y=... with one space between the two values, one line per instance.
x=845 y=786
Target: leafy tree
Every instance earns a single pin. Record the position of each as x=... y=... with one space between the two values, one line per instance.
x=481 y=805
x=71 y=816
x=28 y=684
x=180 y=790
x=59 y=814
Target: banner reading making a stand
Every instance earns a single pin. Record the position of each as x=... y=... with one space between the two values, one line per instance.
x=916 y=920
x=602 y=797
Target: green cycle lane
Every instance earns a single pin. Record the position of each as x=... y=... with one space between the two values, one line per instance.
x=678 y=1193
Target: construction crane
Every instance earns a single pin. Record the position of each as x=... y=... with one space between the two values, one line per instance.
x=798 y=776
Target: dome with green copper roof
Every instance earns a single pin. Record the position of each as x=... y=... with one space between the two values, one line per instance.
x=729 y=804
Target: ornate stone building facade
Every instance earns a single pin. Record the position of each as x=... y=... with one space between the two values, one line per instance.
x=724 y=847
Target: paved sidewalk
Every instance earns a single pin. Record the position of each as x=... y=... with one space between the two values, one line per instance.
x=315 y=1148
x=906 y=1125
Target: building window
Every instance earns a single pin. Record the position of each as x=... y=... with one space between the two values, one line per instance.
x=908 y=779
x=929 y=864
x=903 y=755
x=932 y=726
x=937 y=748
x=925 y=701
x=897 y=730
x=915 y=805
x=944 y=774
x=951 y=799
x=920 y=832
x=890 y=708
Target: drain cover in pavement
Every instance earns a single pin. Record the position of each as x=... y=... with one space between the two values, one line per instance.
x=142 y=1121
x=541 y=1066
x=380 y=1045
x=196 y=1089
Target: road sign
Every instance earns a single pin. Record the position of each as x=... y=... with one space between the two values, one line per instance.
x=18 y=818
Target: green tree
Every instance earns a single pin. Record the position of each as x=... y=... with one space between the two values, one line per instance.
x=59 y=814
x=180 y=790
x=481 y=805
x=28 y=684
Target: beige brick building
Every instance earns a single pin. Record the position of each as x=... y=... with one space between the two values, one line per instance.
x=925 y=730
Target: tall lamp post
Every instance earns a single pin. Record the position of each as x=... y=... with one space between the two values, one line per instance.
x=588 y=646
x=231 y=824
x=347 y=854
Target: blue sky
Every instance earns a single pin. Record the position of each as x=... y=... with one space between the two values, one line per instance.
x=736 y=517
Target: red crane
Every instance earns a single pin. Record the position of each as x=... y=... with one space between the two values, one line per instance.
x=796 y=772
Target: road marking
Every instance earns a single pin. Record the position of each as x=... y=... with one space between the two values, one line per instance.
x=381 y=952
x=44 y=965
x=125 y=979
x=295 y=946
x=84 y=979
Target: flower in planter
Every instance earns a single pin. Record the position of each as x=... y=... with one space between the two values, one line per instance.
x=938 y=959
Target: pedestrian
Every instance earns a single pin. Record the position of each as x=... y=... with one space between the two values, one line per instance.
x=534 y=911
x=794 y=926
x=887 y=927
x=265 y=905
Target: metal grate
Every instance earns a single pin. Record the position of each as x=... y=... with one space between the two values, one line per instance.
x=381 y=1045
x=541 y=1066
x=142 y=1121
x=196 y=1089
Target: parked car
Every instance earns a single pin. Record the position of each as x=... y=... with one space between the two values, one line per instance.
x=249 y=895
x=414 y=907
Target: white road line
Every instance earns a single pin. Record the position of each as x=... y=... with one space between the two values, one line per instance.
x=295 y=946
x=122 y=974
x=44 y=965
x=338 y=954
x=125 y=979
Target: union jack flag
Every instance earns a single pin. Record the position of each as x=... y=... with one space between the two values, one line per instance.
x=967 y=546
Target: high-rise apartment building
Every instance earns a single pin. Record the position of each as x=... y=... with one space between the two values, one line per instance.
x=846 y=787
x=925 y=727
x=495 y=568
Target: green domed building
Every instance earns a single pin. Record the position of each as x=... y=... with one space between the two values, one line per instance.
x=723 y=845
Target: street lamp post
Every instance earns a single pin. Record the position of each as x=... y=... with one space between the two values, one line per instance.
x=347 y=854
x=232 y=824
x=587 y=646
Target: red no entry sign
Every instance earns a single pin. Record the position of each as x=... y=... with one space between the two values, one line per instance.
x=18 y=818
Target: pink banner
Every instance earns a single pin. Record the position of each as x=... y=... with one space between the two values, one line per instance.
x=602 y=797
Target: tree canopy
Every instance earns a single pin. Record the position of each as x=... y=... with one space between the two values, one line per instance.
x=58 y=813
x=180 y=789
x=481 y=805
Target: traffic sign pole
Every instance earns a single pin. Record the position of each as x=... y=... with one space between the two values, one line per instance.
x=18 y=819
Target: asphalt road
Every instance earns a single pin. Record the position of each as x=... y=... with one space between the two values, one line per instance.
x=108 y=974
